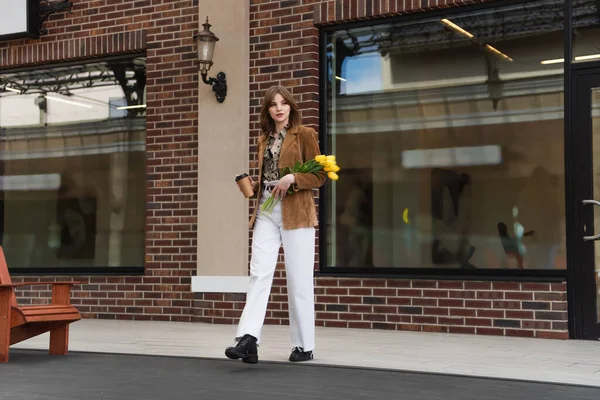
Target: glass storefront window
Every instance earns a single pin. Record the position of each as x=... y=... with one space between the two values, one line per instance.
x=73 y=165
x=450 y=134
x=585 y=19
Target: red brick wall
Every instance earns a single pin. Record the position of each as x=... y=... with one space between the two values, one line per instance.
x=336 y=11
x=479 y=307
x=165 y=29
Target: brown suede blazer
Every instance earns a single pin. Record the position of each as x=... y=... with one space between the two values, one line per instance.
x=298 y=209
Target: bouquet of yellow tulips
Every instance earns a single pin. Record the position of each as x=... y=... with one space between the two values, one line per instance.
x=319 y=163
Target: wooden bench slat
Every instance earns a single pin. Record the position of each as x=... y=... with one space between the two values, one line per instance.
x=53 y=318
x=49 y=311
x=31 y=309
x=56 y=313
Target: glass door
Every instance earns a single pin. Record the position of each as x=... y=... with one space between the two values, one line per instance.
x=586 y=195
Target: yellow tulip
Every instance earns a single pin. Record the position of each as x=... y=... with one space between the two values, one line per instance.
x=333 y=176
x=330 y=158
x=328 y=169
x=335 y=168
x=320 y=159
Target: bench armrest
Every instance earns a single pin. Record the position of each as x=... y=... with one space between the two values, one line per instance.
x=15 y=285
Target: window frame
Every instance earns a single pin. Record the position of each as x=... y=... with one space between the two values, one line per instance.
x=134 y=270
x=33 y=23
x=423 y=273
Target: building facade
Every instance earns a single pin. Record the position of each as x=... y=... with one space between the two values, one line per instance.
x=466 y=144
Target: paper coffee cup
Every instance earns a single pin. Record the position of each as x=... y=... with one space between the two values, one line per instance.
x=243 y=181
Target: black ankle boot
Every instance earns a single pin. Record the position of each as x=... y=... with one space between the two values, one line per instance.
x=245 y=349
x=298 y=354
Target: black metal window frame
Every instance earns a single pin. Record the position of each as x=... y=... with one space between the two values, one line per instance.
x=439 y=273
x=134 y=270
x=575 y=294
x=33 y=20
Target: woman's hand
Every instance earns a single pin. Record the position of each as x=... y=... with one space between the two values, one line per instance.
x=252 y=183
x=280 y=190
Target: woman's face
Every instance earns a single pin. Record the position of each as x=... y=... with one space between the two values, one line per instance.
x=279 y=110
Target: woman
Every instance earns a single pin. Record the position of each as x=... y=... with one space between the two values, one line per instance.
x=282 y=143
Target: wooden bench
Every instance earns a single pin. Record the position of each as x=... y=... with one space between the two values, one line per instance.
x=18 y=323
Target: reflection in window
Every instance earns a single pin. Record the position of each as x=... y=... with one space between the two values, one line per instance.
x=586 y=31
x=451 y=132
x=72 y=190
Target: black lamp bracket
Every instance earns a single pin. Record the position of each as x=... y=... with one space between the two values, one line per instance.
x=219 y=85
x=50 y=8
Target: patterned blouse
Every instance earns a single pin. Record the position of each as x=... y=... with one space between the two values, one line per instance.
x=270 y=168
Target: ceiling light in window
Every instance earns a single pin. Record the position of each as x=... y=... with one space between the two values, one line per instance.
x=130 y=107
x=498 y=52
x=457 y=28
x=578 y=58
x=339 y=78
x=12 y=90
x=553 y=61
x=468 y=34
x=61 y=100
x=588 y=57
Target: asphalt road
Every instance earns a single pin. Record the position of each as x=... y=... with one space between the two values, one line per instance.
x=33 y=375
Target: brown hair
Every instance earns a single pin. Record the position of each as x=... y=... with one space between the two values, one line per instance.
x=267 y=125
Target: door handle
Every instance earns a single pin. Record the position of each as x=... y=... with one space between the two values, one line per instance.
x=595 y=203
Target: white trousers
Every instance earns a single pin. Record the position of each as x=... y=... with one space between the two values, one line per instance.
x=299 y=251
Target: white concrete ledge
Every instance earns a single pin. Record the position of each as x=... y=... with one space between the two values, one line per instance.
x=220 y=284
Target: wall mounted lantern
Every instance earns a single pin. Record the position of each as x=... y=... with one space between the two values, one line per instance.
x=205 y=46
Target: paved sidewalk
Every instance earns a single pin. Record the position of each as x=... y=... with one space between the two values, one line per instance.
x=543 y=360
